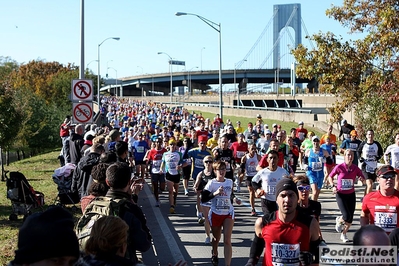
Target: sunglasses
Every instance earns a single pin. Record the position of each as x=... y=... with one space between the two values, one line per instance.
x=208 y=162
x=389 y=176
x=303 y=188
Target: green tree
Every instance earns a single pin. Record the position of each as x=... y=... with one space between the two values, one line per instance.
x=362 y=73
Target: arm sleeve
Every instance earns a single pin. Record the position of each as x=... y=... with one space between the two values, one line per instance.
x=206 y=196
x=359 y=152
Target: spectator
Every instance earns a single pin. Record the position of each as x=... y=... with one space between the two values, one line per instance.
x=118 y=179
x=47 y=238
x=75 y=144
x=82 y=173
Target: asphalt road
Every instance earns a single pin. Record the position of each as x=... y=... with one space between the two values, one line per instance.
x=179 y=236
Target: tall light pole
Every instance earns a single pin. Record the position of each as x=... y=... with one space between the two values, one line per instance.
x=116 y=80
x=98 y=69
x=218 y=28
x=189 y=80
x=142 y=72
x=87 y=66
x=201 y=56
x=238 y=89
x=171 y=75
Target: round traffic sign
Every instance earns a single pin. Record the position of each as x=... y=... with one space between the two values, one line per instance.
x=82 y=112
x=82 y=90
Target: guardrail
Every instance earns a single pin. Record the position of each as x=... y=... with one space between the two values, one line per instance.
x=286 y=110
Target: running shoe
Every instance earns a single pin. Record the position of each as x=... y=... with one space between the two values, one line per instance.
x=207 y=240
x=339 y=226
x=344 y=238
x=157 y=204
x=238 y=189
x=186 y=192
x=214 y=259
x=253 y=212
x=201 y=220
x=172 y=210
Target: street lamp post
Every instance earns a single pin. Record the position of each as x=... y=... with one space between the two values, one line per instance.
x=116 y=81
x=189 y=80
x=98 y=68
x=87 y=66
x=171 y=75
x=142 y=89
x=218 y=28
x=238 y=89
x=201 y=56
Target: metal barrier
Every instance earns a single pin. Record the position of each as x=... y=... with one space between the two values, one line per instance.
x=287 y=110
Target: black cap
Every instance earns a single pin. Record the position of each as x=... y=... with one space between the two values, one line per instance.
x=286 y=184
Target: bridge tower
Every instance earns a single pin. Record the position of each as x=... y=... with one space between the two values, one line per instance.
x=286 y=15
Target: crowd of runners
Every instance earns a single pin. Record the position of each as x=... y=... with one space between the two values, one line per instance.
x=285 y=168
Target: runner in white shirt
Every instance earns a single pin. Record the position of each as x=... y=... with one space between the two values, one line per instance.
x=264 y=182
x=221 y=214
x=391 y=157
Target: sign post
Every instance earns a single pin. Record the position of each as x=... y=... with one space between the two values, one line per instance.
x=82 y=98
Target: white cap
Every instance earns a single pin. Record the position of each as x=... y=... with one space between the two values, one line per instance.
x=315 y=137
x=300 y=123
x=268 y=132
x=274 y=125
x=343 y=122
x=266 y=126
x=258 y=115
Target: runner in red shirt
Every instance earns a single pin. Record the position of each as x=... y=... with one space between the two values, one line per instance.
x=239 y=148
x=274 y=145
x=154 y=156
x=381 y=207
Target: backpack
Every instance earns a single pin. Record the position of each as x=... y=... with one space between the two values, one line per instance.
x=97 y=208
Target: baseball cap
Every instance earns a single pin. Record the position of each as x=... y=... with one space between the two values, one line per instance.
x=354 y=133
x=300 y=123
x=238 y=122
x=268 y=132
x=315 y=138
x=274 y=125
x=258 y=116
x=343 y=122
x=385 y=170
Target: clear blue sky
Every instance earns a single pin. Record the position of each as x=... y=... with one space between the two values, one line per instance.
x=50 y=30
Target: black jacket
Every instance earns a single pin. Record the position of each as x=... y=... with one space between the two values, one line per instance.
x=81 y=175
x=75 y=145
x=139 y=234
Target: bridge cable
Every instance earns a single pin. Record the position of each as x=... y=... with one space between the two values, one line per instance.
x=278 y=39
x=258 y=40
x=307 y=33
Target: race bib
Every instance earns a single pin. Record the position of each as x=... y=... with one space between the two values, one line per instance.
x=371 y=166
x=140 y=149
x=156 y=165
x=240 y=154
x=251 y=171
x=198 y=163
x=353 y=146
x=285 y=254
x=346 y=184
x=301 y=135
x=385 y=218
x=172 y=165
x=271 y=190
x=222 y=203
x=317 y=166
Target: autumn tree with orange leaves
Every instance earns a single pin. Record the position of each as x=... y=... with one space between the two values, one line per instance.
x=362 y=73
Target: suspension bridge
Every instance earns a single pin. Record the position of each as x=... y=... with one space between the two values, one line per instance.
x=265 y=67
